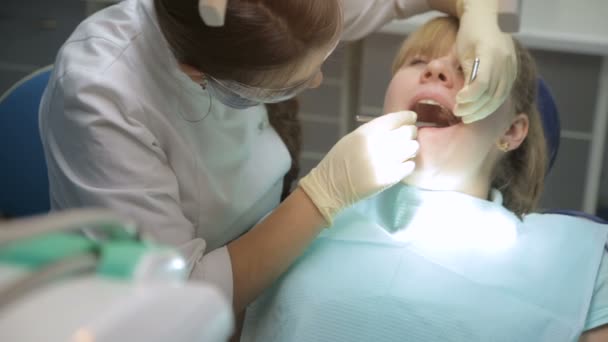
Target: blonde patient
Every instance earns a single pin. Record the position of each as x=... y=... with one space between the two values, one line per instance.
x=505 y=151
x=421 y=265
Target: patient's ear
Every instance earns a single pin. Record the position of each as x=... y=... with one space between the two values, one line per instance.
x=517 y=132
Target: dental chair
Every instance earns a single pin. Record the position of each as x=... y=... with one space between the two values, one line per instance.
x=23 y=174
x=552 y=128
x=550 y=120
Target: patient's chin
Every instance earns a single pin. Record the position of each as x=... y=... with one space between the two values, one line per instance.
x=421 y=178
x=433 y=179
x=416 y=181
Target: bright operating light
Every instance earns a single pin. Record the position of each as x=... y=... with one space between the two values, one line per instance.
x=454 y=226
x=162 y=265
x=177 y=265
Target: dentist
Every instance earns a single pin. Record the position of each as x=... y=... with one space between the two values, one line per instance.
x=156 y=109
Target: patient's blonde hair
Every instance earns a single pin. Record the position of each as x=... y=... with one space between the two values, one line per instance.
x=520 y=174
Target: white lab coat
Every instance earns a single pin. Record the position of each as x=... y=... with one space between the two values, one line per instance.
x=124 y=129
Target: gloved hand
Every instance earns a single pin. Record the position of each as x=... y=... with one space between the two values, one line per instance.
x=368 y=160
x=479 y=36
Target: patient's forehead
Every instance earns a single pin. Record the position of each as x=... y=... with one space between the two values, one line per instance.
x=435 y=49
x=434 y=39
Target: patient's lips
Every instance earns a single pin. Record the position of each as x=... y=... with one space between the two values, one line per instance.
x=433 y=114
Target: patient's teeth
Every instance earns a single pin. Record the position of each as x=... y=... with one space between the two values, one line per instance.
x=429 y=101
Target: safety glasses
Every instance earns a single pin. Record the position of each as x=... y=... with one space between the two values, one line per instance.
x=240 y=96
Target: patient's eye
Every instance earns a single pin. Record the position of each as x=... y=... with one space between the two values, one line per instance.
x=417 y=61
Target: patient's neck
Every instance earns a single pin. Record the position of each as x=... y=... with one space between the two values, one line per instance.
x=478 y=186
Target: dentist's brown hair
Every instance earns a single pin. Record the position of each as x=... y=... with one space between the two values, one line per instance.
x=260 y=39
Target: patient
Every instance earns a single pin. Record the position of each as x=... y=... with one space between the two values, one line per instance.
x=452 y=253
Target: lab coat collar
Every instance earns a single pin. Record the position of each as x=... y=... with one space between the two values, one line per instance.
x=198 y=101
x=159 y=48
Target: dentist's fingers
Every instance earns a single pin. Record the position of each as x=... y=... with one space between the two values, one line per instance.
x=464 y=110
x=399 y=144
x=406 y=169
x=479 y=36
x=409 y=150
x=408 y=132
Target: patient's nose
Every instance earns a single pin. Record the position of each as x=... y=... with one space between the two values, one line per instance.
x=438 y=70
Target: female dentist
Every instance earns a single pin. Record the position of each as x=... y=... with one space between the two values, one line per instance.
x=155 y=114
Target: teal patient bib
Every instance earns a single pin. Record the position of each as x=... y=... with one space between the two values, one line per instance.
x=414 y=265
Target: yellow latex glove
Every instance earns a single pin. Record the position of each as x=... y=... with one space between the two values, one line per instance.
x=480 y=36
x=368 y=160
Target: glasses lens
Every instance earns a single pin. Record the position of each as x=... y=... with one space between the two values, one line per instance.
x=255 y=94
x=228 y=97
x=240 y=96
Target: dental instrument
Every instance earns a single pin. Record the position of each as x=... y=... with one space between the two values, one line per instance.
x=430 y=114
x=365 y=118
x=474 y=70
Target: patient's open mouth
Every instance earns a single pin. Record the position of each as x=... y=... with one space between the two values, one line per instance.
x=432 y=114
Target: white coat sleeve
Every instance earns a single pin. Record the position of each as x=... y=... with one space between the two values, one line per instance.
x=100 y=154
x=362 y=17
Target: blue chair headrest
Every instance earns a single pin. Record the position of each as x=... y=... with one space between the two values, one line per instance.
x=552 y=128
x=23 y=174
x=550 y=120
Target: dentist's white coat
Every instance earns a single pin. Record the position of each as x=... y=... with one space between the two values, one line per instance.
x=124 y=129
